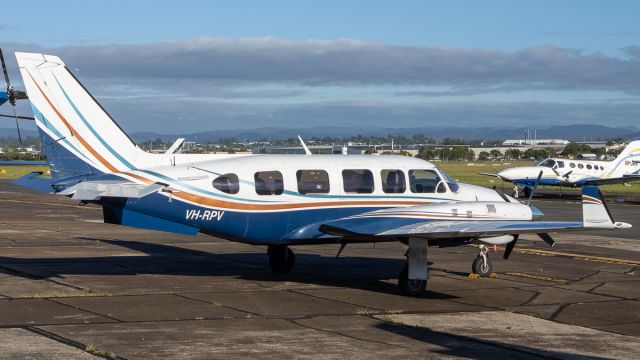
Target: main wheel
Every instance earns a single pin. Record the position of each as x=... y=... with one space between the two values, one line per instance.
x=480 y=268
x=411 y=287
x=281 y=259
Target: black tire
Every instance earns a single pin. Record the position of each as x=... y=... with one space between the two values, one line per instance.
x=411 y=287
x=479 y=268
x=281 y=259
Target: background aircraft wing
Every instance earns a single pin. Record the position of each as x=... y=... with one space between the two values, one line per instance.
x=93 y=190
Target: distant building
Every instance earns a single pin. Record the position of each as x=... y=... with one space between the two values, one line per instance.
x=529 y=142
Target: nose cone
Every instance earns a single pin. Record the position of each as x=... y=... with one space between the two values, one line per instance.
x=509 y=174
x=536 y=213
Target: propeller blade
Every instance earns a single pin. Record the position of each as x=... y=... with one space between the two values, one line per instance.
x=547 y=238
x=4 y=70
x=567 y=174
x=534 y=187
x=510 y=246
x=18 y=117
x=17 y=125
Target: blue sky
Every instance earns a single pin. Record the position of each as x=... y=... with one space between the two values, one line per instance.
x=304 y=63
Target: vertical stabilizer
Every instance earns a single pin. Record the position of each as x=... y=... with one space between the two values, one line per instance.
x=79 y=136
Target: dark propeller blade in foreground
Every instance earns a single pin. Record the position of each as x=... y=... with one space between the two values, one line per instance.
x=509 y=248
x=13 y=96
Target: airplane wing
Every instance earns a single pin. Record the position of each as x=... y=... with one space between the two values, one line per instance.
x=456 y=220
x=618 y=180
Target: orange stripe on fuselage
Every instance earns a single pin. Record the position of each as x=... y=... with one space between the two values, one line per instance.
x=73 y=131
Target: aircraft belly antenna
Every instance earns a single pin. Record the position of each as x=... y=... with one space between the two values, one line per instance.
x=304 y=146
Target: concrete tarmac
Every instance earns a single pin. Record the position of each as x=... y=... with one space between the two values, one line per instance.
x=73 y=287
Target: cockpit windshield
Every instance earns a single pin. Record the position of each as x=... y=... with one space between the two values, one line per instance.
x=550 y=163
x=453 y=185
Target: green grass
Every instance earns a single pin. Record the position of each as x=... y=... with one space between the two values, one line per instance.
x=463 y=172
x=15 y=171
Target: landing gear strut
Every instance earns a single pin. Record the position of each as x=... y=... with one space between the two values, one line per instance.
x=281 y=258
x=482 y=264
x=413 y=278
x=527 y=191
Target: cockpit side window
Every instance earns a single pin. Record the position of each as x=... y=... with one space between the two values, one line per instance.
x=227 y=183
x=425 y=181
x=560 y=164
x=550 y=163
x=453 y=185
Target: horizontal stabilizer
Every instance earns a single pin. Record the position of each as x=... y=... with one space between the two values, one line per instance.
x=94 y=190
x=33 y=181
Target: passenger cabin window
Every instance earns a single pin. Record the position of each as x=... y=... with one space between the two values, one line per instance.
x=580 y=166
x=312 y=181
x=357 y=181
x=572 y=165
x=561 y=164
x=227 y=183
x=425 y=181
x=589 y=166
x=393 y=181
x=269 y=183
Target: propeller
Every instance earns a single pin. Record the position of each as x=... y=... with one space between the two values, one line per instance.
x=510 y=245
x=535 y=185
x=13 y=96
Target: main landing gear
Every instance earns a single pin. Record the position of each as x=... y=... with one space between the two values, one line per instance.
x=527 y=192
x=482 y=264
x=413 y=278
x=281 y=258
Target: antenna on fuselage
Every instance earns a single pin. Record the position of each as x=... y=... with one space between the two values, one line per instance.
x=304 y=146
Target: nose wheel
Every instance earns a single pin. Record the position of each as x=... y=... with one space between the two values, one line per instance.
x=482 y=264
x=281 y=258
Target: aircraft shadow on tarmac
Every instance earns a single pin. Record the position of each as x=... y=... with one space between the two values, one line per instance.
x=476 y=348
x=373 y=274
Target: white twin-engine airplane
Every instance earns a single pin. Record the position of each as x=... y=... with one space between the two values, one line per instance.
x=274 y=200
x=575 y=173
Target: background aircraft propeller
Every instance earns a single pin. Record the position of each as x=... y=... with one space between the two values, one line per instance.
x=13 y=95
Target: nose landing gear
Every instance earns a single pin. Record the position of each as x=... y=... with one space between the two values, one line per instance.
x=482 y=264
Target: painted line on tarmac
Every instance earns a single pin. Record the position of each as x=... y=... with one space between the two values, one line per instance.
x=601 y=259
x=539 y=277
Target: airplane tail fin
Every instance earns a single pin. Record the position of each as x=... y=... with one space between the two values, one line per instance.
x=628 y=162
x=79 y=137
x=595 y=212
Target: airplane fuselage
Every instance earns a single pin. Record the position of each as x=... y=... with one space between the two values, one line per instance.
x=263 y=198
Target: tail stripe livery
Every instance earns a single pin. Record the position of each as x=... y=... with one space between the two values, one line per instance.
x=93 y=131
x=74 y=133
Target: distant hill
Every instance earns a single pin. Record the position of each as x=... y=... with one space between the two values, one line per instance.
x=571 y=132
x=577 y=132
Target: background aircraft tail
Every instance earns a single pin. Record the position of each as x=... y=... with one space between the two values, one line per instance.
x=79 y=137
x=628 y=162
x=595 y=213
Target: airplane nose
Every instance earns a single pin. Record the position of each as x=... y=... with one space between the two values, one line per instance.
x=506 y=174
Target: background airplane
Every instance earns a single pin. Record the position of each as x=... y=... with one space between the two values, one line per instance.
x=274 y=200
x=576 y=172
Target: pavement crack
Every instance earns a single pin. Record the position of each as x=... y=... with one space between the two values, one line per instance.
x=335 y=332
x=73 y=343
